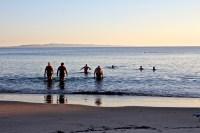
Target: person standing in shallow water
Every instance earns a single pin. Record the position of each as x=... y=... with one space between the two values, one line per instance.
x=98 y=73
x=48 y=72
x=62 y=72
x=86 y=68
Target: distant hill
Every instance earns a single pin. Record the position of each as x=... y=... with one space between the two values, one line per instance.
x=61 y=45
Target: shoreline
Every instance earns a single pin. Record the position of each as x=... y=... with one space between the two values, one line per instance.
x=20 y=117
x=103 y=100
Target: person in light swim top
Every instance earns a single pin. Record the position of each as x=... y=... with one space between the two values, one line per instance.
x=86 y=68
x=98 y=73
x=141 y=68
x=48 y=72
x=62 y=71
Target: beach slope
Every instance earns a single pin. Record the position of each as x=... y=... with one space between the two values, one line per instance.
x=17 y=117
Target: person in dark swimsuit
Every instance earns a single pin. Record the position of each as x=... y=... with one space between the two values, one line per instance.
x=48 y=72
x=154 y=69
x=86 y=68
x=141 y=68
x=98 y=73
x=61 y=72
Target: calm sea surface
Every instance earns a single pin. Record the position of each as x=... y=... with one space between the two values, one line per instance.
x=178 y=74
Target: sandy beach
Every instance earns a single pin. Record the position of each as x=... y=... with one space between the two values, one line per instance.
x=18 y=117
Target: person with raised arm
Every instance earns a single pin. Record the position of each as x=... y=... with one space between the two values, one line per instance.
x=86 y=68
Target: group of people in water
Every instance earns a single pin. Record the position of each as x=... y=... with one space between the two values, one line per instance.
x=62 y=71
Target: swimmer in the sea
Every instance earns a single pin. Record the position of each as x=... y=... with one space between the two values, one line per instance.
x=141 y=68
x=113 y=67
x=98 y=73
x=154 y=68
x=48 y=72
x=86 y=68
x=62 y=71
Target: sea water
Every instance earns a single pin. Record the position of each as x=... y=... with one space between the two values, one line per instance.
x=177 y=74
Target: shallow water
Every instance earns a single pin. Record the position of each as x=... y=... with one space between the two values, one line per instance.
x=178 y=74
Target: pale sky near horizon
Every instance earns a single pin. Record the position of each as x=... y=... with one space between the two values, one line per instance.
x=115 y=22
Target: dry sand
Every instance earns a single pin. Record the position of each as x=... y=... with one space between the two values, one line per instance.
x=16 y=117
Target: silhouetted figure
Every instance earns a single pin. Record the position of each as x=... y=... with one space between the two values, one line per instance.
x=154 y=69
x=49 y=98
x=61 y=72
x=98 y=73
x=141 y=68
x=86 y=68
x=48 y=72
x=113 y=67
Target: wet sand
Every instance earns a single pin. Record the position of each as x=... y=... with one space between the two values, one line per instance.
x=18 y=117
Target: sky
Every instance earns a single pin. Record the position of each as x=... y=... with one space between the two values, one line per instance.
x=104 y=22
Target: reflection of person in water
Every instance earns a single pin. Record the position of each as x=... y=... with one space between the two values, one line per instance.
x=98 y=73
x=61 y=72
x=48 y=72
x=86 y=68
x=98 y=101
x=61 y=99
x=48 y=98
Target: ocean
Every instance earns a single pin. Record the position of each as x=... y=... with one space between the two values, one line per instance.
x=177 y=75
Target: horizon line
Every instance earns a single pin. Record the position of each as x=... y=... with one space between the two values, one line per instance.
x=92 y=45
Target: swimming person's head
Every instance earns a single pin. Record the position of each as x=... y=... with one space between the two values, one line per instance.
x=154 y=68
x=141 y=68
x=62 y=64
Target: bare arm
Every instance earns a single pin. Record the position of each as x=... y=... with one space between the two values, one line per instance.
x=57 y=71
x=94 y=73
x=82 y=68
x=66 y=72
x=52 y=71
x=45 y=71
x=101 y=74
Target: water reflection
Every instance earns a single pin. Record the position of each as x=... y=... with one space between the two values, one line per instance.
x=98 y=101
x=62 y=85
x=48 y=99
x=49 y=85
x=61 y=99
x=99 y=85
